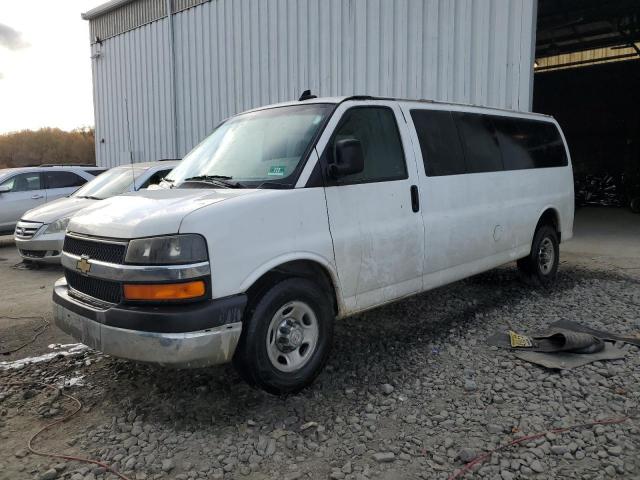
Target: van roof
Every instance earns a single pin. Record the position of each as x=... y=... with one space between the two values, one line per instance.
x=337 y=100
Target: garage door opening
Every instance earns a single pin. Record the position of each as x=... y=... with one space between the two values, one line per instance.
x=587 y=75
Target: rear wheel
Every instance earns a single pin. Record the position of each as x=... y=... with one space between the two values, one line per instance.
x=286 y=337
x=541 y=265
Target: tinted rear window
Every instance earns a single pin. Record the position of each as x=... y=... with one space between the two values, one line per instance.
x=482 y=152
x=63 y=179
x=439 y=142
x=529 y=143
x=460 y=142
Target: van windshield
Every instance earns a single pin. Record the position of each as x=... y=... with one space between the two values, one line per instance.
x=253 y=149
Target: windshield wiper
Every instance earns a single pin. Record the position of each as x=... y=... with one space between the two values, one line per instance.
x=90 y=197
x=274 y=185
x=220 y=180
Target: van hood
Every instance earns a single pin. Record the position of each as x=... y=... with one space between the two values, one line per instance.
x=147 y=213
x=60 y=208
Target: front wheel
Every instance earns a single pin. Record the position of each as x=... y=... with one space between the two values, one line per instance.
x=286 y=337
x=541 y=265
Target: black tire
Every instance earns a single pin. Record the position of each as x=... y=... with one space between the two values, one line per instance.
x=535 y=268
x=252 y=359
x=635 y=205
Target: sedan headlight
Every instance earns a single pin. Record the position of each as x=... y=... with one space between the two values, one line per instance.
x=58 y=226
x=174 y=249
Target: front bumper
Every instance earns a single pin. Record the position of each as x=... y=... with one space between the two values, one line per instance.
x=213 y=344
x=41 y=248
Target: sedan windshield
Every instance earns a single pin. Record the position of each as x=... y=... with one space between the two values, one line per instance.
x=110 y=183
x=253 y=149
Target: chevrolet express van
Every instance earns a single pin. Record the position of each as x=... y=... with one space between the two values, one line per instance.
x=290 y=216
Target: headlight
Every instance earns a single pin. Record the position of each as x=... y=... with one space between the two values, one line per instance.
x=167 y=250
x=59 y=225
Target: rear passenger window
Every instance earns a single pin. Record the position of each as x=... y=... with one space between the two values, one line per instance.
x=439 y=142
x=480 y=144
x=529 y=143
x=378 y=133
x=63 y=179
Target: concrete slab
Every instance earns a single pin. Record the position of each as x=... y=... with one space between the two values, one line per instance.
x=606 y=235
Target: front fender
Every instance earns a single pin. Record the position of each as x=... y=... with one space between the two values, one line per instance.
x=275 y=262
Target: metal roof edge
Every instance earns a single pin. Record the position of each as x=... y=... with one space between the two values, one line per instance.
x=104 y=8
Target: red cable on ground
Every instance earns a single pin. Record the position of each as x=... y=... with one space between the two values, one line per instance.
x=481 y=458
x=60 y=420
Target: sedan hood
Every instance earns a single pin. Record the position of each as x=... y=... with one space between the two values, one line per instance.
x=60 y=208
x=146 y=213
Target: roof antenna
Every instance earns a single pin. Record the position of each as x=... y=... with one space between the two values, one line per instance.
x=133 y=173
x=306 y=95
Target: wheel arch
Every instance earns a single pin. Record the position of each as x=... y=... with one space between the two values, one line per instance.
x=306 y=266
x=549 y=216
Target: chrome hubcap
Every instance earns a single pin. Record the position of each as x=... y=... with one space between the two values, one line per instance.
x=546 y=255
x=292 y=336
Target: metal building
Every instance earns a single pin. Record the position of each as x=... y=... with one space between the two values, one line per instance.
x=167 y=71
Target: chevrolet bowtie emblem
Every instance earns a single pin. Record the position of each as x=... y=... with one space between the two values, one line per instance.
x=83 y=264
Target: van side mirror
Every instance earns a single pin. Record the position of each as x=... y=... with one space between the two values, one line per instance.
x=349 y=158
x=5 y=189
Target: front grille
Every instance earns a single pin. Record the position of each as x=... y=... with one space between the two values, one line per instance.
x=104 y=290
x=26 y=230
x=33 y=253
x=95 y=249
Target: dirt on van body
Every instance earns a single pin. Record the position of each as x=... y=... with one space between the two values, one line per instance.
x=411 y=391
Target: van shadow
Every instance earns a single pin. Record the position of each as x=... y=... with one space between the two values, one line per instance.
x=398 y=341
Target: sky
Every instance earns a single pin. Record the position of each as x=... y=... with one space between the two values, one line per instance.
x=45 y=69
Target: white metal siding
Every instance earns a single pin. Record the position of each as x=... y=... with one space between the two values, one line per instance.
x=136 y=67
x=232 y=55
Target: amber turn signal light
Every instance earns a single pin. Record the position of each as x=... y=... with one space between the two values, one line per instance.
x=164 y=291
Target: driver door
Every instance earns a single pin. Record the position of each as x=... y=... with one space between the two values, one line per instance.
x=378 y=235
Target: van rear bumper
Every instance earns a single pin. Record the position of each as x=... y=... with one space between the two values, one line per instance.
x=190 y=349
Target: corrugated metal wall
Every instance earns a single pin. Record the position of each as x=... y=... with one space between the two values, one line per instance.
x=132 y=75
x=231 y=55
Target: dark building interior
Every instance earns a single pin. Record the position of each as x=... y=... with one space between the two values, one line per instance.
x=592 y=87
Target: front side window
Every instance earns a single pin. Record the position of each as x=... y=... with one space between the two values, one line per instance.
x=377 y=131
x=155 y=179
x=253 y=148
x=23 y=182
x=63 y=179
x=95 y=172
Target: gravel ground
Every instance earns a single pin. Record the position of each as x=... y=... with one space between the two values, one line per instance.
x=411 y=391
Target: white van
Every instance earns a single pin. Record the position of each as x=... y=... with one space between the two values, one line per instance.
x=290 y=216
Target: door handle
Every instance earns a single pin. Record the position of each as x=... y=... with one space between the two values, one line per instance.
x=415 y=198
x=37 y=196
